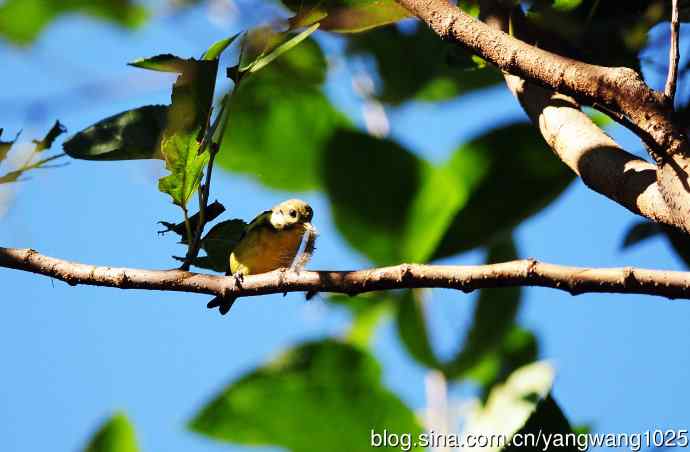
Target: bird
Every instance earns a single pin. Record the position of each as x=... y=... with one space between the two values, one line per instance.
x=271 y=241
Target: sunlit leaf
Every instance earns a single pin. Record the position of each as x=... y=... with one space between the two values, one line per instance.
x=346 y=16
x=218 y=47
x=115 y=435
x=287 y=45
x=187 y=119
x=132 y=134
x=280 y=122
x=522 y=404
x=335 y=389
x=22 y=20
x=519 y=176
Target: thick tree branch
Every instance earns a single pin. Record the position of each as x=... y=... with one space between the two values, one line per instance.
x=582 y=145
x=673 y=56
x=527 y=272
x=618 y=88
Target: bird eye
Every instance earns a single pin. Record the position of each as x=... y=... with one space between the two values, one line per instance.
x=293 y=213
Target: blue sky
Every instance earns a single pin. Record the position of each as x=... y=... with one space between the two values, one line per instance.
x=71 y=356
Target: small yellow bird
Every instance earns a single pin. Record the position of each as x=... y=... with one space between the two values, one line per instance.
x=271 y=241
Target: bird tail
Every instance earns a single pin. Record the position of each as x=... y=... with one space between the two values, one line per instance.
x=223 y=304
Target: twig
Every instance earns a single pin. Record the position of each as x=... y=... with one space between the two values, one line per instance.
x=212 y=139
x=466 y=278
x=673 y=56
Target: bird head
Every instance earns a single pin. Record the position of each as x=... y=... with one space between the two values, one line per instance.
x=290 y=213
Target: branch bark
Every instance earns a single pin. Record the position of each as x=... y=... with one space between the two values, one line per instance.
x=466 y=278
x=617 y=89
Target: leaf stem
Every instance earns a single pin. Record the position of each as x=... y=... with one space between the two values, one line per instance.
x=213 y=141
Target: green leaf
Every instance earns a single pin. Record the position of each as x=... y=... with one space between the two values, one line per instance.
x=680 y=242
x=132 y=134
x=523 y=405
x=346 y=16
x=21 y=21
x=566 y=5
x=429 y=214
x=211 y=212
x=5 y=146
x=280 y=122
x=265 y=60
x=639 y=232
x=434 y=70
x=218 y=47
x=115 y=435
x=518 y=176
x=494 y=317
x=412 y=329
x=187 y=119
x=371 y=184
x=335 y=389
x=367 y=311
x=47 y=141
x=163 y=63
x=13 y=176
x=220 y=241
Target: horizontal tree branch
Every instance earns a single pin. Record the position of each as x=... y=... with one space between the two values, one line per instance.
x=466 y=278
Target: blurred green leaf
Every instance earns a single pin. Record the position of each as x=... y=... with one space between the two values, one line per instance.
x=429 y=214
x=419 y=65
x=599 y=32
x=345 y=16
x=336 y=389
x=14 y=175
x=132 y=134
x=522 y=404
x=566 y=5
x=494 y=317
x=680 y=242
x=115 y=435
x=21 y=21
x=367 y=311
x=371 y=183
x=519 y=176
x=639 y=232
x=219 y=242
x=412 y=328
x=186 y=123
x=518 y=348
x=280 y=122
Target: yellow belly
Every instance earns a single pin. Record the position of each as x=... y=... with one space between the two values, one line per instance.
x=265 y=249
